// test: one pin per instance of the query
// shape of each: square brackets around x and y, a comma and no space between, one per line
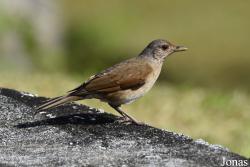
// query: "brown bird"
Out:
[124,82]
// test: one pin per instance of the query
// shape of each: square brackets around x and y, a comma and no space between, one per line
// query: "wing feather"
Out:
[123,76]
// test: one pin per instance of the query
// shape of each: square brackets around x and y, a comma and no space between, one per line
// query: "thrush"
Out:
[124,82]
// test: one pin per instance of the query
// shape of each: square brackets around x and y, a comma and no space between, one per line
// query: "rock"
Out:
[77,135]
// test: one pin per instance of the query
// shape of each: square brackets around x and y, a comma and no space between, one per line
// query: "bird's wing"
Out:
[126,75]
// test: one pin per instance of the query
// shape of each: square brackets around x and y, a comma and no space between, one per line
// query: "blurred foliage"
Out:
[216,33]
[83,46]
[98,34]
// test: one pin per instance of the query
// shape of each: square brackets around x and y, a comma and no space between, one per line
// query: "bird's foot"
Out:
[42,115]
[123,120]
[127,121]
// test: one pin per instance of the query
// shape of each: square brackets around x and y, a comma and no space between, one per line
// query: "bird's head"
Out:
[159,49]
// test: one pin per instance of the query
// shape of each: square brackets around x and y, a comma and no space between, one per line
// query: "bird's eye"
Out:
[164,47]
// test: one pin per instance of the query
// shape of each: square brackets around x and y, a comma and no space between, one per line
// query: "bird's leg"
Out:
[126,116]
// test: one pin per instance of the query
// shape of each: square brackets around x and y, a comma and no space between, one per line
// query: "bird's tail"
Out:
[57,101]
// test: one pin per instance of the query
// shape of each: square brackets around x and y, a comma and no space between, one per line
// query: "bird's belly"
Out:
[123,97]
[128,96]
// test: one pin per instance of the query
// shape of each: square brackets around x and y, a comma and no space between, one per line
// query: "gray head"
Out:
[159,49]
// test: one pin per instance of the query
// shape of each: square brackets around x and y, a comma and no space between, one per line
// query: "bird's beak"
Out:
[180,48]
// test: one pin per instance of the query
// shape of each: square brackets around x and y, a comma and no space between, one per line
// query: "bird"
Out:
[122,83]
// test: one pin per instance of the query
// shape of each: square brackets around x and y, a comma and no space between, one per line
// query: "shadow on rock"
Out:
[75,119]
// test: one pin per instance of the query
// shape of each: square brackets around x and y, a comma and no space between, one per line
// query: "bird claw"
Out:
[127,121]
[124,121]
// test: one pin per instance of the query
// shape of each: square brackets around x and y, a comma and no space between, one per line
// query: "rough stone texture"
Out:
[76,135]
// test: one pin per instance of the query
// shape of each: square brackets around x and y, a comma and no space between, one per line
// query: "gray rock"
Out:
[76,135]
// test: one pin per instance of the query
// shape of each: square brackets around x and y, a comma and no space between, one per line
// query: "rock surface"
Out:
[76,135]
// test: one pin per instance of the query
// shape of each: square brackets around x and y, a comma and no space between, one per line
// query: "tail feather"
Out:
[57,101]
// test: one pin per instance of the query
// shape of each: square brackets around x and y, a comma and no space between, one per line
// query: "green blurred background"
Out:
[49,46]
